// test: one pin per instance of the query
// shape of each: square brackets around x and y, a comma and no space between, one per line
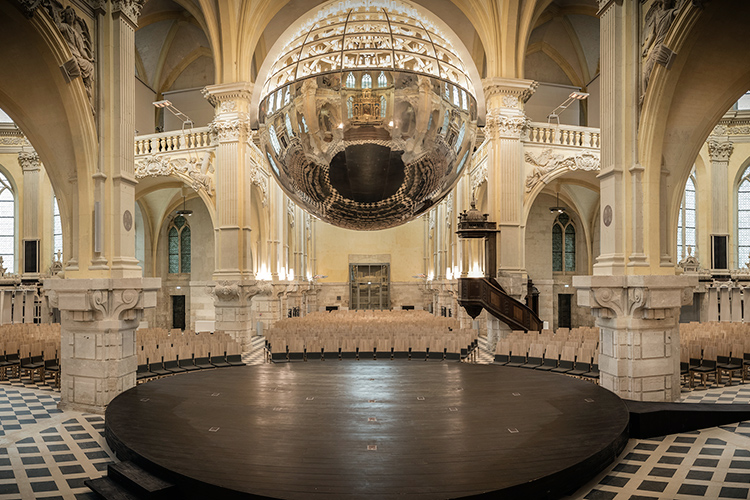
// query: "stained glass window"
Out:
[350,107]
[366,81]
[174,251]
[743,219]
[557,248]
[686,228]
[350,80]
[383,105]
[7,225]
[179,245]
[382,80]
[56,229]
[563,244]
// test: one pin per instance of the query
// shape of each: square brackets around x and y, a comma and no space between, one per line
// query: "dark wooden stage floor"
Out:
[376,429]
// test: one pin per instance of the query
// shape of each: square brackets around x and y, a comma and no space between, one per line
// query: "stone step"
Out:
[108,489]
[139,481]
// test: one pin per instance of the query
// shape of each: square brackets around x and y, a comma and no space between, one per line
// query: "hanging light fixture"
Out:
[183,210]
[557,209]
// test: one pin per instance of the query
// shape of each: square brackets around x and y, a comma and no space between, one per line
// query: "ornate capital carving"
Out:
[29,161]
[504,125]
[720,151]
[235,293]
[102,299]
[131,9]
[229,130]
[513,92]
[548,161]
[227,96]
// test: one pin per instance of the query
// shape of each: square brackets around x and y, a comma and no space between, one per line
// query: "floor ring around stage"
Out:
[369,429]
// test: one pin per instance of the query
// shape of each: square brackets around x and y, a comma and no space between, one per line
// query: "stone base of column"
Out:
[233,308]
[99,318]
[639,342]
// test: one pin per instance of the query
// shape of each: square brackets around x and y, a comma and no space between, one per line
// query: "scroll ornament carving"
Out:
[29,160]
[657,22]
[226,291]
[158,166]
[290,212]
[731,130]
[614,302]
[114,304]
[548,160]
[259,179]
[232,291]
[11,140]
[720,151]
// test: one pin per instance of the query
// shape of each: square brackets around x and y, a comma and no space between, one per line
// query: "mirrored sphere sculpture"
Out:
[368,119]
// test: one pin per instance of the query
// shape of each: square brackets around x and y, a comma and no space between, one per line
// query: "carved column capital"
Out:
[513,92]
[640,297]
[29,161]
[228,96]
[227,293]
[720,151]
[229,129]
[130,9]
[500,124]
[102,300]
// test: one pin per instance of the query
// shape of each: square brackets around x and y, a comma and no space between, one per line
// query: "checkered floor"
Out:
[47,453]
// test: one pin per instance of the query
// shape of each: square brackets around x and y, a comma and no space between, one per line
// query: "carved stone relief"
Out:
[720,151]
[157,166]
[548,160]
[657,22]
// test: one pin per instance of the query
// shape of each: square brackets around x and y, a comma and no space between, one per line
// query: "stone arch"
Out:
[55,116]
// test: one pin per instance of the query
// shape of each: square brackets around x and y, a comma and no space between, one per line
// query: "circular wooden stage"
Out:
[376,429]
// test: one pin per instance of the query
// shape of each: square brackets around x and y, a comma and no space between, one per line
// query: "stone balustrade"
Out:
[563,135]
[177,140]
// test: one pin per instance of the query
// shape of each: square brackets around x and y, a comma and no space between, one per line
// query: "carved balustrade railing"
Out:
[176,140]
[563,135]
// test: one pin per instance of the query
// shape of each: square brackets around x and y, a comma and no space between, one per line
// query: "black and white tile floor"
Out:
[47,453]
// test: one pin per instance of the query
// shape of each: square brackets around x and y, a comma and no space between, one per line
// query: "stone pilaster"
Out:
[99,318]
[32,177]
[613,90]
[720,152]
[233,307]
[506,123]
[639,343]
[234,175]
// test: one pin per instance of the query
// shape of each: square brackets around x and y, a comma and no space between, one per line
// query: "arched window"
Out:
[743,219]
[464,100]
[274,139]
[289,128]
[350,107]
[456,97]
[461,134]
[56,229]
[563,244]
[446,121]
[7,225]
[350,80]
[447,91]
[383,105]
[686,227]
[366,81]
[179,245]
[287,97]
[382,80]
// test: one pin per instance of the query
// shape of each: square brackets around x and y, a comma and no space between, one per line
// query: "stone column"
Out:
[638,318]
[232,306]
[720,152]
[32,175]
[614,89]
[713,304]
[506,123]
[99,318]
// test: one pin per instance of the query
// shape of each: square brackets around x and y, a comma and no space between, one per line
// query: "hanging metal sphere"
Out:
[368,118]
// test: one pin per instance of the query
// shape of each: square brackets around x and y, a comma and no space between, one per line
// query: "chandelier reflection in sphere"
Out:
[368,118]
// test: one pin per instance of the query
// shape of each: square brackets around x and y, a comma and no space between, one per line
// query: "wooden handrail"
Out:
[475,294]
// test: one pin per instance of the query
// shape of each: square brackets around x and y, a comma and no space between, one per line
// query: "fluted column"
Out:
[506,124]
[32,176]
[719,152]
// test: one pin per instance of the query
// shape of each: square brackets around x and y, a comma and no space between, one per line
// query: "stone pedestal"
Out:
[99,318]
[233,307]
[639,343]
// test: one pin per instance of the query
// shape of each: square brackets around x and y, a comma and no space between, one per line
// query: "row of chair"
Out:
[579,362]
[33,359]
[712,362]
[161,368]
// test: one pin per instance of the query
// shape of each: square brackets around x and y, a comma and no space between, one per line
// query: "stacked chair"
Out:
[164,352]
[369,335]
[31,350]
[571,352]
